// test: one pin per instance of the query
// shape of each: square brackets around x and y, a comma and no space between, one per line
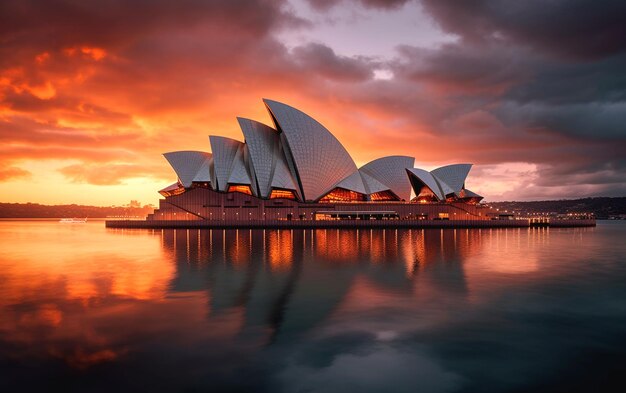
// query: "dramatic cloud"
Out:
[106,174]
[578,28]
[92,93]
[324,5]
[488,69]
[13,173]
[542,82]
[318,58]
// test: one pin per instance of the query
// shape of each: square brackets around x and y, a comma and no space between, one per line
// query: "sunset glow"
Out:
[91,98]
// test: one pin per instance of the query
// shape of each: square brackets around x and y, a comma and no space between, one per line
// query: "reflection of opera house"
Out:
[298,171]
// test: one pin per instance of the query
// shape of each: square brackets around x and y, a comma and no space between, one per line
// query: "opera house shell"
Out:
[298,168]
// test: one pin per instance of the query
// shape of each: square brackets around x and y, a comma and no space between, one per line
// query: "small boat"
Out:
[73,220]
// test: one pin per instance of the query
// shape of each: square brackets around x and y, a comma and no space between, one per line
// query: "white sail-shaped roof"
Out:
[362,183]
[453,175]
[390,171]
[224,151]
[320,160]
[426,178]
[262,142]
[204,173]
[239,172]
[301,155]
[282,177]
[445,188]
[372,185]
[186,164]
[354,182]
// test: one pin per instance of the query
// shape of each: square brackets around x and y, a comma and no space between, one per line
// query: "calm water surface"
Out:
[89,309]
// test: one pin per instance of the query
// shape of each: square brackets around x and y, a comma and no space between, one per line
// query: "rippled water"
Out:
[83,308]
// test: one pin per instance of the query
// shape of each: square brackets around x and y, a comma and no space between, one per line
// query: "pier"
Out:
[341,223]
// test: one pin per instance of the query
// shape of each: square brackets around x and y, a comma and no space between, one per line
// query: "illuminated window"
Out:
[444,216]
[384,196]
[425,196]
[471,200]
[426,192]
[240,188]
[285,194]
[203,184]
[342,195]
[172,191]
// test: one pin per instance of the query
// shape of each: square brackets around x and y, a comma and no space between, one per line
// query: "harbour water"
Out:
[90,309]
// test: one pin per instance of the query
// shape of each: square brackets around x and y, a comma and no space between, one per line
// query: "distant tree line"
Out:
[35,210]
[601,207]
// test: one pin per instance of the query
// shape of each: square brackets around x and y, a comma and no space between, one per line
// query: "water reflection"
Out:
[262,271]
[304,310]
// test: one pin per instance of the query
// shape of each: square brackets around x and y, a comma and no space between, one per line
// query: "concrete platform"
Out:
[309,224]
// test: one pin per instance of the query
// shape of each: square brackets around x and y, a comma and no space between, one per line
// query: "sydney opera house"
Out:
[296,170]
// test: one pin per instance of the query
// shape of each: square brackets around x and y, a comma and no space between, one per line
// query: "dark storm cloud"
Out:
[593,121]
[542,82]
[522,87]
[76,76]
[582,165]
[489,68]
[320,59]
[565,181]
[115,83]
[57,22]
[581,99]
[572,82]
[325,5]
[570,28]
[167,50]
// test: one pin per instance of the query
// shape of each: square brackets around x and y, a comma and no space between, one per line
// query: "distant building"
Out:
[297,170]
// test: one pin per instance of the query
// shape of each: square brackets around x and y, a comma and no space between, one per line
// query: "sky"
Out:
[533,93]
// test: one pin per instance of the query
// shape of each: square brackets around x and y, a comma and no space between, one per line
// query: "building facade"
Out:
[298,171]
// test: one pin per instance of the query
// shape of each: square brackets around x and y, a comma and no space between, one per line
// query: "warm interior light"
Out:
[285,194]
[384,196]
[240,188]
[203,184]
[171,191]
[343,195]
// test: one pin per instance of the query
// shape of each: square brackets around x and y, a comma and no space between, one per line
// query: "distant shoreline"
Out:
[39,211]
[601,207]
[59,218]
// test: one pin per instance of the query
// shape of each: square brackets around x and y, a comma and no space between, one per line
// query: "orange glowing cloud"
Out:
[42,57]
[91,107]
